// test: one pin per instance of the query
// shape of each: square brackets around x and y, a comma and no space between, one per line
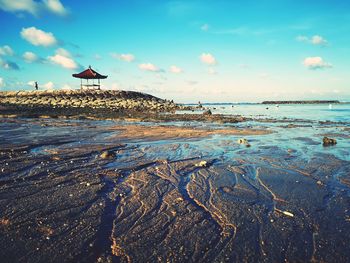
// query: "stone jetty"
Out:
[92,99]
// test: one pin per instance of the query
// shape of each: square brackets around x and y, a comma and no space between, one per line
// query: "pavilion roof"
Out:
[89,74]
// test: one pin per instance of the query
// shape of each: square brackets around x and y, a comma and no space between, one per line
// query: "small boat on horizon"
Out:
[330,106]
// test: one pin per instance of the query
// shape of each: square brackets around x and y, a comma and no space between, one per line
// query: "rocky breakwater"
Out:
[92,99]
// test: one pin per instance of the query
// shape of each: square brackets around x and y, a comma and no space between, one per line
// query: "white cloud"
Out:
[48,86]
[149,67]
[302,38]
[29,6]
[2,83]
[38,37]
[6,51]
[176,70]
[208,59]
[66,87]
[318,40]
[8,65]
[316,63]
[124,57]
[315,40]
[115,86]
[56,7]
[63,52]
[205,27]
[64,59]
[33,7]
[31,83]
[30,57]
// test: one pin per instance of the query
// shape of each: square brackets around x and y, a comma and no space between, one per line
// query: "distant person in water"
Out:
[36,85]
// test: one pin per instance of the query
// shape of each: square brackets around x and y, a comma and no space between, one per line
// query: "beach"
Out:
[180,189]
[174,131]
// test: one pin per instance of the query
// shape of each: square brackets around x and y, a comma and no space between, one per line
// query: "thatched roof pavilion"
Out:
[89,74]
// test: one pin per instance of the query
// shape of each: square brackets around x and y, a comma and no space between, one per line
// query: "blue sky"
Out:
[214,51]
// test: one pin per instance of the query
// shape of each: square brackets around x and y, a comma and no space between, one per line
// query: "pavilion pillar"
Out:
[99,85]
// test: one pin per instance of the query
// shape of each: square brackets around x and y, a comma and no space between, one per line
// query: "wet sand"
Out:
[285,198]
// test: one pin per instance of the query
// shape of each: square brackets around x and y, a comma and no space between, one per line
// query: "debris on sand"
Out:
[285,212]
[107,154]
[202,164]
[244,142]
[4,222]
[329,141]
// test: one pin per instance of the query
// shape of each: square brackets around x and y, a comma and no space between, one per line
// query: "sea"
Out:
[312,112]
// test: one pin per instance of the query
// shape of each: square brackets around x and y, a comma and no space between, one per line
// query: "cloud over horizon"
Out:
[208,59]
[123,57]
[149,67]
[2,83]
[314,63]
[175,69]
[314,40]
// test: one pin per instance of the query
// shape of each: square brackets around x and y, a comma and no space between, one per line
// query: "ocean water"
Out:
[312,112]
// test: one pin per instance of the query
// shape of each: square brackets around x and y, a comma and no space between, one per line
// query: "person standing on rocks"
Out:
[36,85]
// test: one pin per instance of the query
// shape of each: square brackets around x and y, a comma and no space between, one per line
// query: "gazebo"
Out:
[89,74]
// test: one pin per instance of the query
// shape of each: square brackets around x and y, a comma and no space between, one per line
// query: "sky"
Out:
[188,51]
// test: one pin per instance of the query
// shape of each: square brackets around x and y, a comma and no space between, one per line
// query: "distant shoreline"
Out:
[302,102]
[269,102]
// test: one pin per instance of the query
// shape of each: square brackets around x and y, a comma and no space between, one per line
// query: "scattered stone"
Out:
[285,212]
[244,142]
[107,154]
[202,164]
[319,182]
[207,113]
[329,141]
[4,222]
[226,189]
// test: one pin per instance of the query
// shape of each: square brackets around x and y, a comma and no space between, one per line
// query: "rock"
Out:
[107,154]
[244,142]
[207,113]
[202,164]
[329,141]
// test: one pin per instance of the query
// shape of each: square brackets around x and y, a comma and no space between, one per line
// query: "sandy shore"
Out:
[105,191]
